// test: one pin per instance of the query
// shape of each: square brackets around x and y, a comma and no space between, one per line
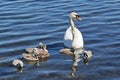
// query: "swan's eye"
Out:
[78,17]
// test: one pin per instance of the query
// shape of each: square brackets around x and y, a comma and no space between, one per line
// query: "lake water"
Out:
[26,23]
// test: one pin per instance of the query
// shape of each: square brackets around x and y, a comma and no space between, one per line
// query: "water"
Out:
[25,23]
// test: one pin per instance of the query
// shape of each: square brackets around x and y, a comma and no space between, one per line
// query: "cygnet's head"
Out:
[42,46]
[89,54]
[75,15]
[18,64]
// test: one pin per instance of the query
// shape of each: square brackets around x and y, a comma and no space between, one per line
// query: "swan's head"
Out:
[75,15]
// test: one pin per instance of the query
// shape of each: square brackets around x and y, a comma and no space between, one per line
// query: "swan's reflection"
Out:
[37,62]
[74,70]
[79,54]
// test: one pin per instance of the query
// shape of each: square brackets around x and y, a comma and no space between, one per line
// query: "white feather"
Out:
[16,61]
[71,41]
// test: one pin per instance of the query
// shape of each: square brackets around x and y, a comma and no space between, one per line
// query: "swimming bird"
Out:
[42,52]
[66,51]
[43,47]
[32,56]
[36,53]
[18,64]
[73,37]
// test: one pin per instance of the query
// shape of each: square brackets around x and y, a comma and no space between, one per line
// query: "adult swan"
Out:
[73,37]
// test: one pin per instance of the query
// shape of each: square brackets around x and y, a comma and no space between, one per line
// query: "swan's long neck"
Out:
[72,26]
[72,23]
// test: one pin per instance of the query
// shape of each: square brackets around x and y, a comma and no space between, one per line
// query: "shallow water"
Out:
[26,23]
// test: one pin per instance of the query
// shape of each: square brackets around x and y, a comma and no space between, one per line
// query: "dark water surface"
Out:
[25,23]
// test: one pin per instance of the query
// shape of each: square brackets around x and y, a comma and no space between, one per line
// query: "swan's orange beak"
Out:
[78,17]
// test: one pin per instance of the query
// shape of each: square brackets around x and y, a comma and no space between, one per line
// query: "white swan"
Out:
[73,37]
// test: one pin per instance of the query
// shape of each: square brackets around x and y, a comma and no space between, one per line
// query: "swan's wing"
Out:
[78,39]
[68,37]
[68,34]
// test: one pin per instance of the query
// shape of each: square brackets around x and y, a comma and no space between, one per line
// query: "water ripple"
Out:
[26,23]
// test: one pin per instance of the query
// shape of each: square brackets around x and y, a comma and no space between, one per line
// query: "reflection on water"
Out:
[17,69]
[25,23]
[77,56]
[73,72]
[37,62]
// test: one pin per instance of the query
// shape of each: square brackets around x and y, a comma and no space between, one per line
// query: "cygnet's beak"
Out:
[78,17]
